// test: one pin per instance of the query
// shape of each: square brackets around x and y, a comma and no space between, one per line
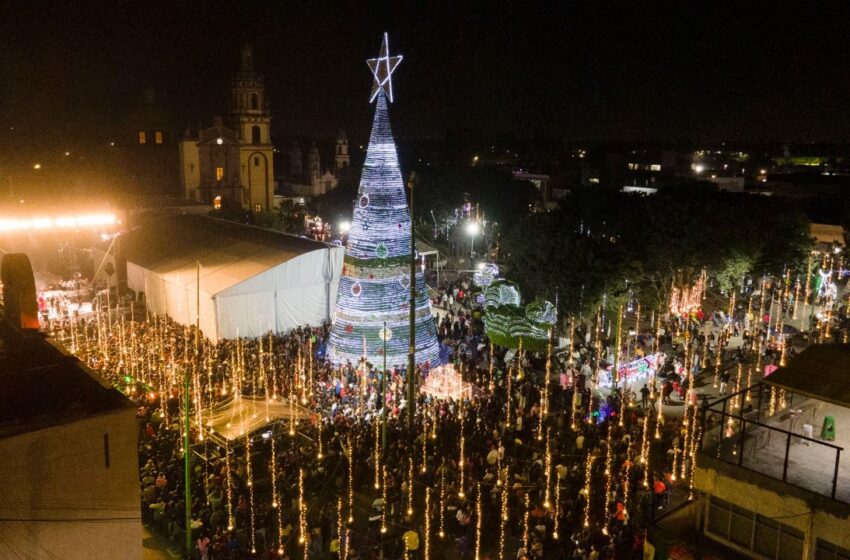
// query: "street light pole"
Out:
[473,229]
[383,399]
[187,451]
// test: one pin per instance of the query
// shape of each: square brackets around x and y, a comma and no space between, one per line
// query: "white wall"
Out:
[301,291]
[59,498]
[178,301]
[787,508]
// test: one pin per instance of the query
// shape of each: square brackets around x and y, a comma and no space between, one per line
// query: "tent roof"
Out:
[424,248]
[229,252]
[820,371]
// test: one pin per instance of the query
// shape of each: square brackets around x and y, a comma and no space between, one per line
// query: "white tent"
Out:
[251,280]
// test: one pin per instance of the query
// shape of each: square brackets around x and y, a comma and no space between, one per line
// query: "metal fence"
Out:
[740,429]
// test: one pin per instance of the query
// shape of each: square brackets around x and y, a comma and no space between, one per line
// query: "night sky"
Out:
[651,71]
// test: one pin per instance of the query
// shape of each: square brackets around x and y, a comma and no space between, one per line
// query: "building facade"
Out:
[308,177]
[770,477]
[68,444]
[234,160]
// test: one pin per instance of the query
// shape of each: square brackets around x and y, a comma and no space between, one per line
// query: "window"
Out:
[142,137]
[255,101]
[157,136]
[255,134]
[829,551]
[767,537]
[256,161]
[258,208]
[741,529]
[219,173]
[655,167]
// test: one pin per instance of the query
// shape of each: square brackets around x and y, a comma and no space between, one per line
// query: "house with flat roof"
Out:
[773,470]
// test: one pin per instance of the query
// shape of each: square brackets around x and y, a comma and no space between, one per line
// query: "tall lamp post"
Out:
[385,334]
[472,229]
[187,450]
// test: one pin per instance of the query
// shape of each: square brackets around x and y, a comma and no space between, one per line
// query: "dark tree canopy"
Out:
[505,200]
[602,242]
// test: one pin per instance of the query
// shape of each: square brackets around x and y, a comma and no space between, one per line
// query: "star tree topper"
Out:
[382,69]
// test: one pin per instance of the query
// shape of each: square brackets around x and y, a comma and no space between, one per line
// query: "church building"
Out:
[233,159]
[310,178]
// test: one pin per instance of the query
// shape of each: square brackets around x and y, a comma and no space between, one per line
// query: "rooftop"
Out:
[44,386]
[820,371]
[228,252]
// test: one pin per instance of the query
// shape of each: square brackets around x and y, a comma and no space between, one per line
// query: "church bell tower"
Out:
[252,121]
[341,157]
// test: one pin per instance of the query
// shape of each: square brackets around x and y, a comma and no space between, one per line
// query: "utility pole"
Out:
[615,373]
[411,350]
[383,399]
[187,451]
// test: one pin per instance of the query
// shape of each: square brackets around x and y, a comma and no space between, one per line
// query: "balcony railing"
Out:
[740,429]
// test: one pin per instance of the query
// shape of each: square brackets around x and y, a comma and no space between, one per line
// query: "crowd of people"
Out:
[541,460]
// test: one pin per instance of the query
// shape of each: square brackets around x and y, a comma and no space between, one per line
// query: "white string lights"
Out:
[478,515]
[375,281]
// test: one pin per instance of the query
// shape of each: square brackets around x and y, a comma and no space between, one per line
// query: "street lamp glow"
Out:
[344,226]
[37,166]
[473,229]
[699,168]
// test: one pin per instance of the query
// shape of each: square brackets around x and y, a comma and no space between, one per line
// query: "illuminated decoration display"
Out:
[501,293]
[688,299]
[639,369]
[824,286]
[444,382]
[506,322]
[374,287]
[382,69]
[485,275]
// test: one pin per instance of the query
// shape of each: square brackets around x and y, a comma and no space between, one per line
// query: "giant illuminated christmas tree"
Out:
[375,285]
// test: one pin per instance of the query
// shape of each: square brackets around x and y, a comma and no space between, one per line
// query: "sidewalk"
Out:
[156,548]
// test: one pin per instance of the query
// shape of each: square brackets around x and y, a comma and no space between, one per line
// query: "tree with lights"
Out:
[375,284]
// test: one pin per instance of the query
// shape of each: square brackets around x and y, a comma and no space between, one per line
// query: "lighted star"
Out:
[382,69]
